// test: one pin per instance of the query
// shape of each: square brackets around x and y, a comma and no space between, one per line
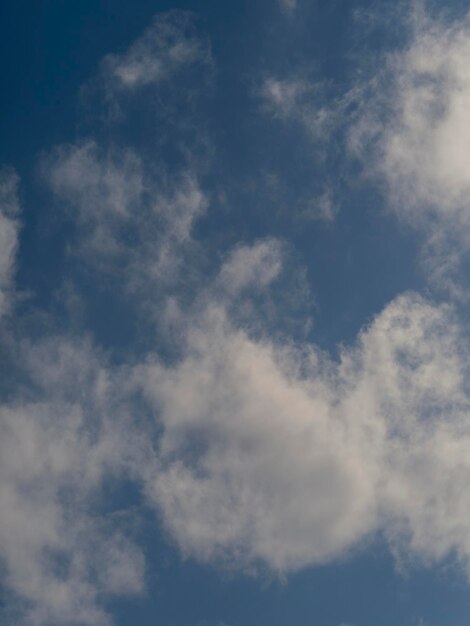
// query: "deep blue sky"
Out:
[56,48]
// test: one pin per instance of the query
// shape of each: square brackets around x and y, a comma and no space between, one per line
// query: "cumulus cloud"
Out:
[253,451]
[413,132]
[70,435]
[276,454]
[61,439]
[426,147]
[9,228]
[268,453]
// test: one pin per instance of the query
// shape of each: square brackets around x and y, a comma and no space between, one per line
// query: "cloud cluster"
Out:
[126,219]
[254,451]
[72,441]
[413,133]
[405,117]
[64,436]
[275,454]
[426,143]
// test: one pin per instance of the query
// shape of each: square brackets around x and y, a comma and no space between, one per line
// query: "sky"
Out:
[234,313]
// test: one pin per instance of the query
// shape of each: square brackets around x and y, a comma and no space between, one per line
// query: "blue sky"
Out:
[234,329]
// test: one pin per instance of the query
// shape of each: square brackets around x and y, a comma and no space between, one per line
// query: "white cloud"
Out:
[275,454]
[251,266]
[268,453]
[255,466]
[60,441]
[167,46]
[426,148]
[104,190]
[9,227]
[302,101]
[123,215]
[414,133]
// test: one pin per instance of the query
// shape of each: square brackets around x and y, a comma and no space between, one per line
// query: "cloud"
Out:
[275,454]
[269,453]
[168,45]
[413,133]
[289,6]
[302,101]
[126,219]
[68,442]
[63,436]
[9,228]
[251,266]
[253,450]
[104,190]
[132,214]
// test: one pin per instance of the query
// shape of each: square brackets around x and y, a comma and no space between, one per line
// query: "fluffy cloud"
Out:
[425,147]
[268,454]
[253,451]
[251,266]
[63,436]
[414,125]
[9,227]
[275,454]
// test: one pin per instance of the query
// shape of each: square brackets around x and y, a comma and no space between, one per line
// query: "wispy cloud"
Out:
[289,6]
[124,217]
[414,133]
[60,441]
[9,228]
[168,45]
[254,449]
[300,100]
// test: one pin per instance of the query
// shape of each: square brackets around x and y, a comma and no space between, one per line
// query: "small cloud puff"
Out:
[167,46]
[289,6]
